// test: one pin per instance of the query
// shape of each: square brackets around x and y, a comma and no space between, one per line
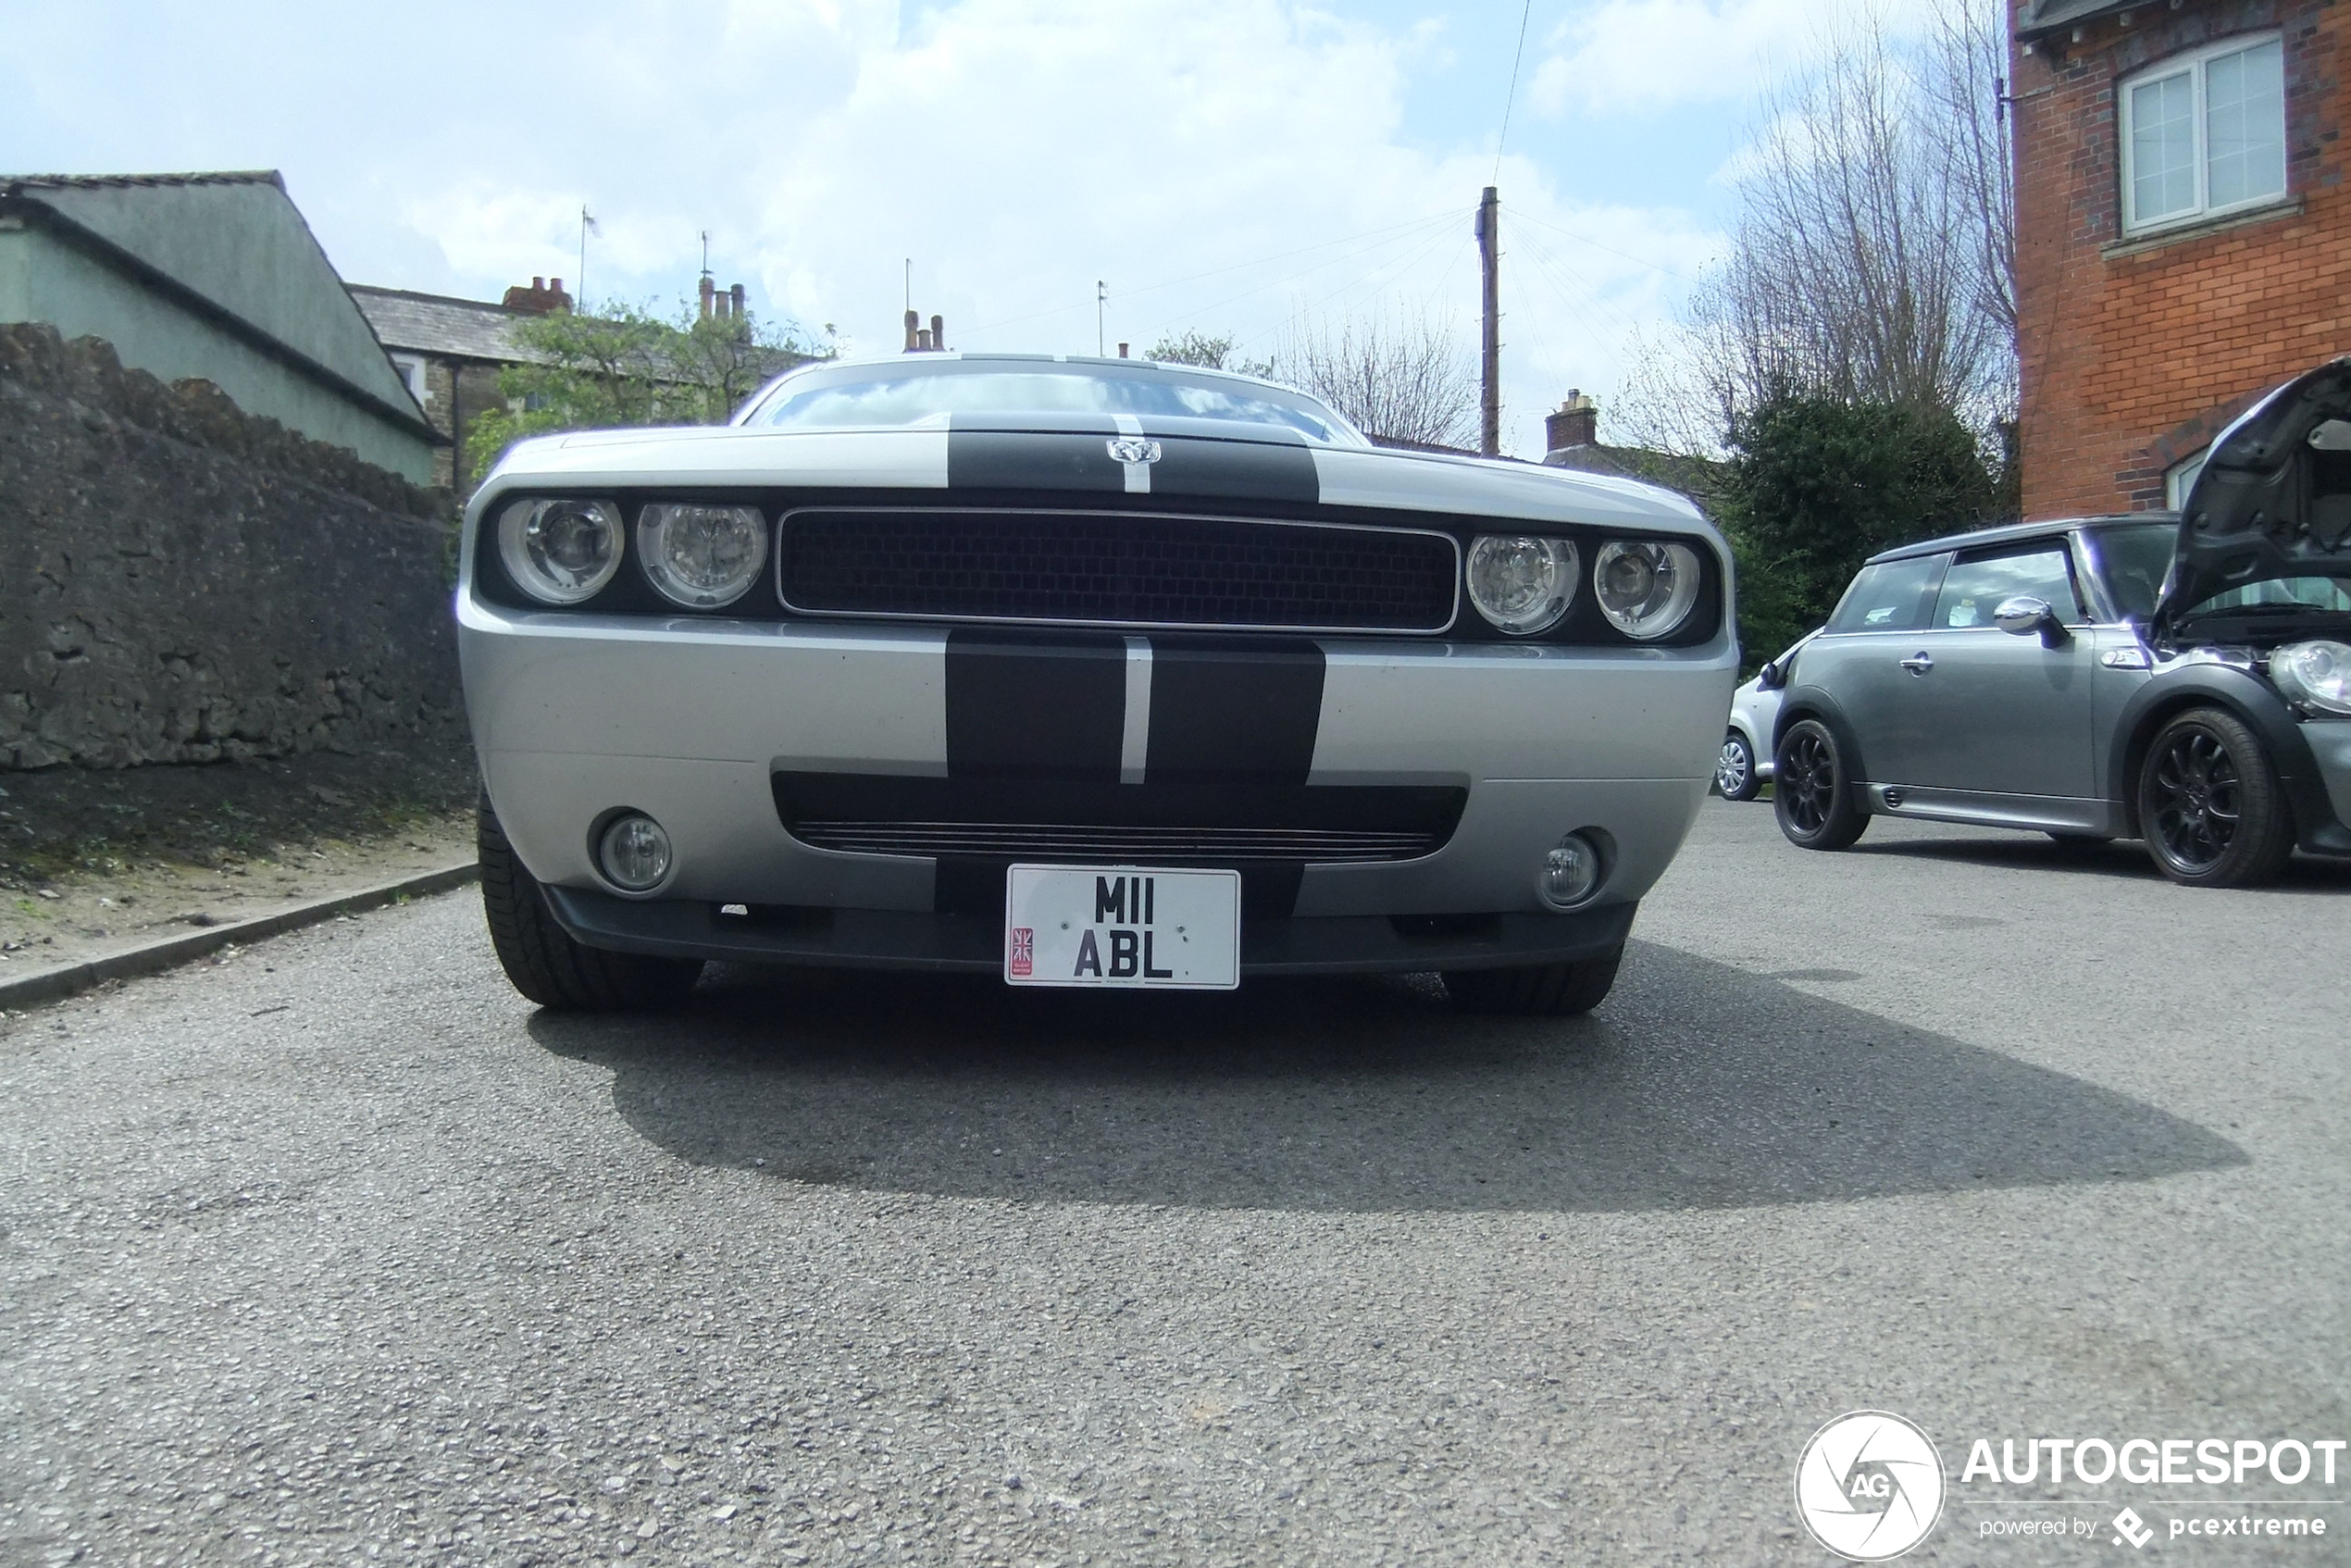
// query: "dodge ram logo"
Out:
[1130,449]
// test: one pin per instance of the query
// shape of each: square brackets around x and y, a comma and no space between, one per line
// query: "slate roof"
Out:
[438,324]
[10,184]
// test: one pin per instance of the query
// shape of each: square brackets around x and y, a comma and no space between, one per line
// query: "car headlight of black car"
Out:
[2315,674]
[560,551]
[1645,588]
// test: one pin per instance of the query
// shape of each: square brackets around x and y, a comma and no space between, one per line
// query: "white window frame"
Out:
[2180,479]
[2193,63]
[412,371]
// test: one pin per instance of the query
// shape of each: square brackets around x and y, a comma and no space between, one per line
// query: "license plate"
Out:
[1122,926]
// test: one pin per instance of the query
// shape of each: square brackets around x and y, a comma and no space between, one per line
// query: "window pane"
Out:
[2162,148]
[1890,596]
[1973,589]
[2244,124]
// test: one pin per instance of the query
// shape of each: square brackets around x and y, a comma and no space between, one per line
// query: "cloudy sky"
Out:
[1226,166]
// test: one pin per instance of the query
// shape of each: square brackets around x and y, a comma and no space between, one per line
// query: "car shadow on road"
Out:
[1695,1085]
[2037,853]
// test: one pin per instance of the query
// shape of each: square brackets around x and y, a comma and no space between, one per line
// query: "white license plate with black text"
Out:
[1122,926]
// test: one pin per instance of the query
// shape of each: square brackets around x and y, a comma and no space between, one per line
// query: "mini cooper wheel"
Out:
[543,961]
[1735,769]
[1811,792]
[2210,806]
[1556,990]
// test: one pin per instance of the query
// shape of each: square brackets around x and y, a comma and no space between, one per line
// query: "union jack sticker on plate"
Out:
[1023,955]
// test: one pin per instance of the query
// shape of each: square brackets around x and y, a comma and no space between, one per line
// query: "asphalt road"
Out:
[337,1250]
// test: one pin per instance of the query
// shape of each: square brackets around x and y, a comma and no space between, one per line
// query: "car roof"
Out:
[2006,533]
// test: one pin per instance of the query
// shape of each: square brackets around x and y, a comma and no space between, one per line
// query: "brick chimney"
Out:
[734,295]
[913,325]
[541,299]
[1576,423]
[709,291]
[939,332]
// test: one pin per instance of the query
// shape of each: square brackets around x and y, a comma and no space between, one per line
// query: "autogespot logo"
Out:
[1870,1486]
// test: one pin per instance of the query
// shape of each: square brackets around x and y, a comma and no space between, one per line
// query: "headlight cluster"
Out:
[696,556]
[1523,583]
[2317,674]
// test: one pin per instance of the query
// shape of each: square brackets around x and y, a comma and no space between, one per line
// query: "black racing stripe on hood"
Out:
[1035,704]
[1273,470]
[1232,710]
[1238,469]
[1031,460]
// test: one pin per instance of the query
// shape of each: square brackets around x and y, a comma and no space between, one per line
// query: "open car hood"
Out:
[2274,499]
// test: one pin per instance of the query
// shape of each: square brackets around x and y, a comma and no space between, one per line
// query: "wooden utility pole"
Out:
[1489,413]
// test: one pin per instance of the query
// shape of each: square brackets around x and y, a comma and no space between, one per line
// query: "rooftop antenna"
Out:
[705,253]
[910,282]
[1101,297]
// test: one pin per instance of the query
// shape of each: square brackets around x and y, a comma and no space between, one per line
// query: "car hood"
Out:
[2274,499]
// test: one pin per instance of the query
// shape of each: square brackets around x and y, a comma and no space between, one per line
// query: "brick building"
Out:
[2184,230]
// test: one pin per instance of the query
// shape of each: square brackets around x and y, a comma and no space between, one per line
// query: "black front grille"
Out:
[1041,840]
[1115,568]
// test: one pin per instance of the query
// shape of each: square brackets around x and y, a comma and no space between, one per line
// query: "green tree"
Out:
[628,367]
[1817,484]
[1210,352]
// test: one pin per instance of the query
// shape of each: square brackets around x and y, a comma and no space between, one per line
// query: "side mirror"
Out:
[2023,615]
[1771,677]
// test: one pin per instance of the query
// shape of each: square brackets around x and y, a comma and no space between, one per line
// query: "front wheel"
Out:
[1554,991]
[1735,769]
[543,961]
[1810,791]
[2210,805]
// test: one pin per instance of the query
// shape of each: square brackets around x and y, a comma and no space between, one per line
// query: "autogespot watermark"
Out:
[1871,1485]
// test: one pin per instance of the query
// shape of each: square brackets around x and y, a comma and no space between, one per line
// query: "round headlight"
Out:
[1522,584]
[2317,674]
[701,556]
[560,551]
[1646,589]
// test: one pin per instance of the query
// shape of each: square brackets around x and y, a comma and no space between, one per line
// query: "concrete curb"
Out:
[66,979]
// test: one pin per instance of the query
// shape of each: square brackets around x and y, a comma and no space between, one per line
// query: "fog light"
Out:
[1571,872]
[633,853]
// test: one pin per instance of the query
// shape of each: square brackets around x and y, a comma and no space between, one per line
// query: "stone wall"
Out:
[180,582]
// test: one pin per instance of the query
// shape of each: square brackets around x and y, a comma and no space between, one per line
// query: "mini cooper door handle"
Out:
[1918,664]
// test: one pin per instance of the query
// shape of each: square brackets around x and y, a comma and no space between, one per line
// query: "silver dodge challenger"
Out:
[1077,672]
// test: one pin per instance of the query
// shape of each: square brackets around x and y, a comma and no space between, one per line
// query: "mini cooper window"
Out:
[1889,596]
[2134,557]
[892,396]
[1973,589]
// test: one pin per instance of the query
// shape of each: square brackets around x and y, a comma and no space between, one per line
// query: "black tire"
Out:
[1811,792]
[2210,806]
[1734,776]
[1551,991]
[543,961]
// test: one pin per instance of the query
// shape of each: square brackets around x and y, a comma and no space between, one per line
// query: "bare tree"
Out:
[1873,256]
[1401,381]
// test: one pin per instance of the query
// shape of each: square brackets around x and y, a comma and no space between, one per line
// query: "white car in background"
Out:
[1745,761]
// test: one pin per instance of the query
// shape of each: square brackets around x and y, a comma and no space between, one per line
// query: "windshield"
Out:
[866,396]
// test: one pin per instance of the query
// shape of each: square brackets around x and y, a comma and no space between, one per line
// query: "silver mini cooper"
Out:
[2181,678]
[1077,673]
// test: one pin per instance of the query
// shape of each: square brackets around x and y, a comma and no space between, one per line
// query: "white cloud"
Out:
[1644,57]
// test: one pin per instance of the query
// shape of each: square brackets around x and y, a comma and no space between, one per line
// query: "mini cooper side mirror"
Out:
[2023,615]
[1771,677]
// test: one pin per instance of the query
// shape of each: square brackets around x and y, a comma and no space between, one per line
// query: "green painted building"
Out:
[215,277]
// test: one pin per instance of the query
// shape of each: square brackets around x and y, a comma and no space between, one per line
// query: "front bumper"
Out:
[878,938]
[695,721]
